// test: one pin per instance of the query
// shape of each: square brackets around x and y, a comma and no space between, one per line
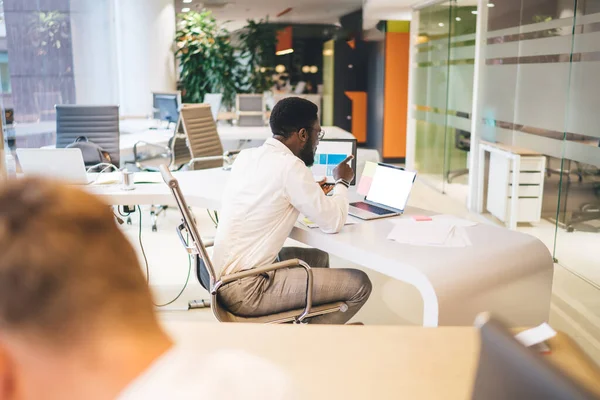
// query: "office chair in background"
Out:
[215,100]
[100,124]
[195,145]
[462,141]
[206,275]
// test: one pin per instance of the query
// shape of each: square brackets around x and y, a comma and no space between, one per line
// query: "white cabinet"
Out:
[515,183]
[530,179]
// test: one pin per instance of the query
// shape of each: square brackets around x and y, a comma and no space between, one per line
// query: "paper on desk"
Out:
[536,335]
[309,224]
[454,220]
[147,177]
[429,233]
[107,178]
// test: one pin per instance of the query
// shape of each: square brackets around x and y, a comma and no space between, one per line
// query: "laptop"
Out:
[63,164]
[331,152]
[507,370]
[387,195]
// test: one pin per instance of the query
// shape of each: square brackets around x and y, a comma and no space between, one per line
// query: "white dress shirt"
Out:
[268,188]
[185,373]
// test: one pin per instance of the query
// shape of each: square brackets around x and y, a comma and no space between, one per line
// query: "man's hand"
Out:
[343,170]
[326,187]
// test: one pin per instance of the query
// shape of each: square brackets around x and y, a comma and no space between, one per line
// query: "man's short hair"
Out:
[292,114]
[64,264]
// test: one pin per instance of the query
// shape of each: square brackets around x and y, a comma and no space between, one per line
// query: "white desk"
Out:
[372,362]
[505,272]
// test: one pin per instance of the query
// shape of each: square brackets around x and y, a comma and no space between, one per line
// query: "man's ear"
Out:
[7,379]
[303,134]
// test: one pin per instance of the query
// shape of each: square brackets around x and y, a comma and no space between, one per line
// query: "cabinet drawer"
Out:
[529,210]
[532,163]
[527,191]
[530,178]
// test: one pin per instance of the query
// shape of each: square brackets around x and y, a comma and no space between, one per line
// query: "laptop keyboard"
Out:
[371,208]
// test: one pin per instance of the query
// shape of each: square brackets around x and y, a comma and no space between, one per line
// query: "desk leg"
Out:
[514,201]
[480,179]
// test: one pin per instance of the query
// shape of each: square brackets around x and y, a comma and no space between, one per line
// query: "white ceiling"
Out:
[303,11]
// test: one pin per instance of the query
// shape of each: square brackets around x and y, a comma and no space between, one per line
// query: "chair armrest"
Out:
[141,142]
[207,158]
[273,267]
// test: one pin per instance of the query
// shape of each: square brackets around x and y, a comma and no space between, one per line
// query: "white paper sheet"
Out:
[454,220]
[536,335]
[437,233]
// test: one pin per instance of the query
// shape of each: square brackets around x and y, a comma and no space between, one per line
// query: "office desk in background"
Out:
[507,273]
[372,362]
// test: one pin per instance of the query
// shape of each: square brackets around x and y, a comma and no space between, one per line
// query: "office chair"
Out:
[215,100]
[462,141]
[195,145]
[100,124]
[206,275]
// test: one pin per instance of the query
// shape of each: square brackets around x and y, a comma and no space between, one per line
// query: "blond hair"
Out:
[64,264]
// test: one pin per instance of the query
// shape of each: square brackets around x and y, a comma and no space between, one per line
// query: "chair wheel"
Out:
[570,229]
[154,229]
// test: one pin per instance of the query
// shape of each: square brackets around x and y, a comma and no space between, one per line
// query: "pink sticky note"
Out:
[421,218]
[364,185]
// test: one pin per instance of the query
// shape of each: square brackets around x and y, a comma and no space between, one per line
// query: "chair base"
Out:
[281,318]
[155,211]
[455,174]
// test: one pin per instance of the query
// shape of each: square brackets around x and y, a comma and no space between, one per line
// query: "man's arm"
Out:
[329,212]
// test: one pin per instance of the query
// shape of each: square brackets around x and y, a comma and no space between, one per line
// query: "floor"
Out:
[575,307]
[576,291]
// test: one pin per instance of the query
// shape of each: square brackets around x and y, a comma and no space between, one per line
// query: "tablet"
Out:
[329,154]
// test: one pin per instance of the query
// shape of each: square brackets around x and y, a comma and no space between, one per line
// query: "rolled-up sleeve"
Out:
[329,212]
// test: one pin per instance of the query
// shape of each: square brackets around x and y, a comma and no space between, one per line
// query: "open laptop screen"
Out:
[391,186]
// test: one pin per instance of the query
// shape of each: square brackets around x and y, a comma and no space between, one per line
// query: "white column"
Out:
[145,32]
[411,124]
[478,81]
[94,56]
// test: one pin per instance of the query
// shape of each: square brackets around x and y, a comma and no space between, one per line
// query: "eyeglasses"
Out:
[321,134]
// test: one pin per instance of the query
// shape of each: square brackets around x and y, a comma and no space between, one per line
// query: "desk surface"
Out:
[505,272]
[512,149]
[372,362]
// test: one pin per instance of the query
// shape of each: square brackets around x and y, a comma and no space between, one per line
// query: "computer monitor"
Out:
[166,106]
[331,152]
[509,370]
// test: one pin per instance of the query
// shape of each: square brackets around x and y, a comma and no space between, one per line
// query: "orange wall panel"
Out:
[395,94]
[359,115]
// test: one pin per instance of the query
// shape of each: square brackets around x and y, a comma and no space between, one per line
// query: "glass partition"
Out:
[442,99]
[429,103]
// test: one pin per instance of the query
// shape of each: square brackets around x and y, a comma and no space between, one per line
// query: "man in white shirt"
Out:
[77,319]
[268,188]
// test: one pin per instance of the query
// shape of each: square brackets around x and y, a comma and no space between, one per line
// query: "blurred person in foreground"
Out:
[76,315]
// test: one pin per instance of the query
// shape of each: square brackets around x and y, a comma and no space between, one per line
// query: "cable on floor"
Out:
[187,279]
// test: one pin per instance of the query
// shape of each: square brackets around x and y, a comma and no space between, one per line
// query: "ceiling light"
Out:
[185,9]
[314,69]
[284,52]
[491,5]
[441,24]
[263,70]
[474,12]
[458,18]
[306,69]
[280,69]
[187,1]
[328,52]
